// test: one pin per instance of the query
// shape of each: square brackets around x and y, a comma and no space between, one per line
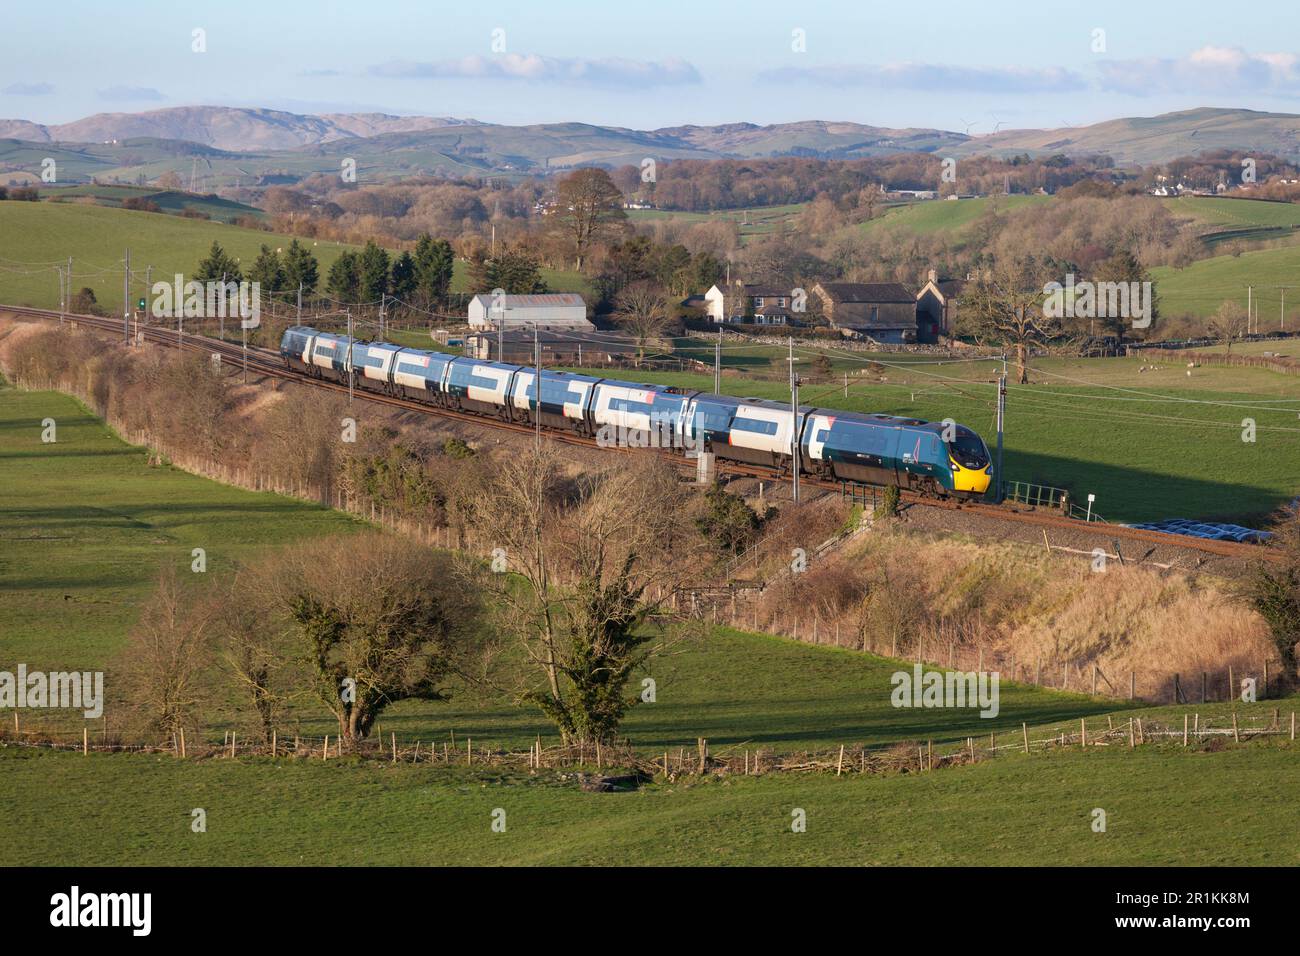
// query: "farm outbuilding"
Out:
[557,348]
[555,310]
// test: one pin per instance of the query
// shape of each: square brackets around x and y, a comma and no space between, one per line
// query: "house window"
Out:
[758,301]
[875,314]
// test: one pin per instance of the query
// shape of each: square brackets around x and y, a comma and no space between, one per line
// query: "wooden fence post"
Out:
[85,741]
[1083,732]
[1024,729]
[1185,730]
[839,766]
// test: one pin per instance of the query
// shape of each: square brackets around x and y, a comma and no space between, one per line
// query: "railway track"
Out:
[265,362]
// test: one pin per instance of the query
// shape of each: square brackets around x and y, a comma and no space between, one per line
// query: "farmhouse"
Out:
[749,303]
[885,311]
[936,306]
[559,310]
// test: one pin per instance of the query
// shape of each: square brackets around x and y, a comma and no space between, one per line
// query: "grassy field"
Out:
[1097,426]
[1220,214]
[37,237]
[758,221]
[944,215]
[1200,288]
[86,524]
[1164,806]
[169,200]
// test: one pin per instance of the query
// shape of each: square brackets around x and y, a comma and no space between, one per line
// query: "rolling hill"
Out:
[1154,139]
[222,127]
[222,146]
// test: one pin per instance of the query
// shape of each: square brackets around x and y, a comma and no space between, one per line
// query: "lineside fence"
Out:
[742,759]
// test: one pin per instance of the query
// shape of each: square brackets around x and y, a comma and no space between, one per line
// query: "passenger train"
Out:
[935,458]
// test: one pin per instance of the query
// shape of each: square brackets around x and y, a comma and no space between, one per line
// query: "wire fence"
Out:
[744,758]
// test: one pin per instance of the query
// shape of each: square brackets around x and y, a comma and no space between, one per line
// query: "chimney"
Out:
[933,276]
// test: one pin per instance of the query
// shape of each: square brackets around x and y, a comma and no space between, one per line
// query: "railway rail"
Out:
[266,362]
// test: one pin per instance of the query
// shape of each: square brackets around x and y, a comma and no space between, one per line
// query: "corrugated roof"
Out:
[540,301]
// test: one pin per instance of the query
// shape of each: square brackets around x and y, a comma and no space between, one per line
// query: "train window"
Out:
[754,425]
[969,450]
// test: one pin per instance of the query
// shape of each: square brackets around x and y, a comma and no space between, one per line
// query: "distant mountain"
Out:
[811,137]
[223,127]
[1154,139]
[215,146]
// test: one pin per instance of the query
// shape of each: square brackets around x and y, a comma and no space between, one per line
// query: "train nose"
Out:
[974,481]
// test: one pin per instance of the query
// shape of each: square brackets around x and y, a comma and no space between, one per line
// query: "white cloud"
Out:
[933,77]
[533,68]
[1211,69]
[28,89]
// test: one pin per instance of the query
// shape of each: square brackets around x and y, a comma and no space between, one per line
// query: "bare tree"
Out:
[642,311]
[255,646]
[168,653]
[590,206]
[1228,324]
[585,564]
[1004,306]
[376,619]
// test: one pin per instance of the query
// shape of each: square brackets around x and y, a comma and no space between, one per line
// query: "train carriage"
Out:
[477,386]
[639,414]
[763,433]
[329,353]
[419,374]
[565,401]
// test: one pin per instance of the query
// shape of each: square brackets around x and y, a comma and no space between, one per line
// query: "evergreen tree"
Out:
[434,262]
[300,266]
[513,270]
[403,281]
[268,271]
[373,272]
[217,264]
[344,281]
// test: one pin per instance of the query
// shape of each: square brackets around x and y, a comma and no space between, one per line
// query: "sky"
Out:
[970,67]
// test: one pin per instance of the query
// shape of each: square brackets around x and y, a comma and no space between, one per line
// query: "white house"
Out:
[749,303]
[555,310]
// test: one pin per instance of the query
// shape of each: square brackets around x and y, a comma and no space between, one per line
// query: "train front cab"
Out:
[295,347]
[970,463]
